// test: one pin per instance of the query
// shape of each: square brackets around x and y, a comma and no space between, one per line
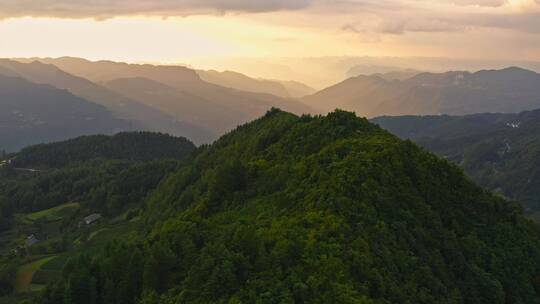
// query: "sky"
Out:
[184,31]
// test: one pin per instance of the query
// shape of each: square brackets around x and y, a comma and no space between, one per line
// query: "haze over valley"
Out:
[276,151]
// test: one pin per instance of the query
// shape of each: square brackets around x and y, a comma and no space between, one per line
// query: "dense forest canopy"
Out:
[132,146]
[308,209]
[499,151]
[104,172]
[105,175]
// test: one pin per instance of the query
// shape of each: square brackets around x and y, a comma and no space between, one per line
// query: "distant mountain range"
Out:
[201,105]
[499,151]
[32,113]
[508,91]
[386,72]
[141,116]
[179,92]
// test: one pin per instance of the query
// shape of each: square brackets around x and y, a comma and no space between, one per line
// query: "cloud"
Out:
[400,26]
[113,8]
[384,17]
[441,16]
[488,3]
[417,25]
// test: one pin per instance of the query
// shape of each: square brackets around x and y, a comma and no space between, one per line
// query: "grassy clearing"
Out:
[101,237]
[94,233]
[50,271]
[25,274]
[53,214]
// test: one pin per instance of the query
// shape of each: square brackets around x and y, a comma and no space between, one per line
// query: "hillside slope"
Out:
[234,80]
[132,146]
[31,113]
[183,106]
[48,191]
[316,210]
[141,116]
[499,151]
[242,82]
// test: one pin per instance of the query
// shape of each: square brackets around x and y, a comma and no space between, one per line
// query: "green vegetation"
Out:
[25,274]
[105,174]
[499,151]
[50,271]
[307,209]
[285,209]
[50,204]
[53,214]
[133,146]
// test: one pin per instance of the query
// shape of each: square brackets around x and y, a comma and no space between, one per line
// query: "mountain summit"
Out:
[316,210]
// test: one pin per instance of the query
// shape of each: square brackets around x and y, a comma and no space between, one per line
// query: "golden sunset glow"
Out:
[207,34]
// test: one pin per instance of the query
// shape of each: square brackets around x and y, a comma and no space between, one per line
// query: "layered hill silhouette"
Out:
[386,72]
[509,90]
[32,113]
[185,106]
[229,79]
[315,210]
[236,105]
[499,151]
[141,116]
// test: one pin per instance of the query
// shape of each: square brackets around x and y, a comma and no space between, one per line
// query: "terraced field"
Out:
[25,274]
[53,214]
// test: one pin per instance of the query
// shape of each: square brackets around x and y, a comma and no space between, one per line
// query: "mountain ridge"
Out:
[32,113]
[141,116]
[457,92]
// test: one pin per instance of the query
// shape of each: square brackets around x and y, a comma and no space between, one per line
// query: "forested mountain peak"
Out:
[338,209]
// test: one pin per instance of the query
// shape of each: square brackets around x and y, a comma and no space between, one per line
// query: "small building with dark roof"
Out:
[31,240]
[92,219]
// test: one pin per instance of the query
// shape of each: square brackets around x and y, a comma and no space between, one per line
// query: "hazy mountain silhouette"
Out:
[32,113]
[241,106]
[398,75]
[142,117]
[506,91]
[297,89]
[176,76]
[242,82]
[386,72]
[182,105]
